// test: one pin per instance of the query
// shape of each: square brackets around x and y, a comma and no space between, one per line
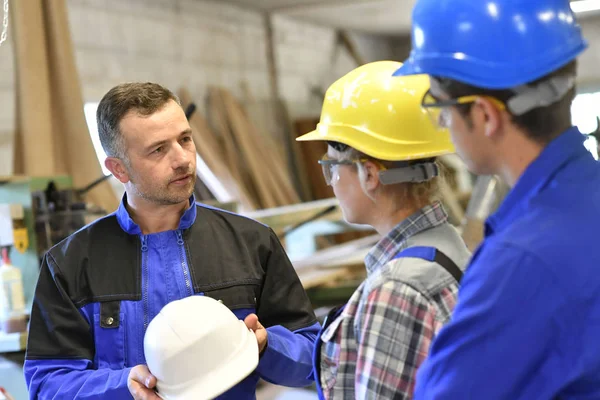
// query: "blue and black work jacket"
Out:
[99,289]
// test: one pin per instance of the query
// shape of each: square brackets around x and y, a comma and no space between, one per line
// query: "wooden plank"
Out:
[316,277]
[211,154]
[325,266]
[34,154]
[234,150]
[295,162]
[350,46]
[72,143]
[286,173]
[276,171]
[346,254]
[279,218]
[277,189]
[266,150]
[312,153]
[208,138]
[222,128]
[250,150]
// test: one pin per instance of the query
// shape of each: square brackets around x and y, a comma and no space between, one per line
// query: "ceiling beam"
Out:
[318,4]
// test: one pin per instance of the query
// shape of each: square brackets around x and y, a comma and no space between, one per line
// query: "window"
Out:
[585,112]
[89,110]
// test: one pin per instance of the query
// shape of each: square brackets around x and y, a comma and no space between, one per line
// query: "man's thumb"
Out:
[251,321]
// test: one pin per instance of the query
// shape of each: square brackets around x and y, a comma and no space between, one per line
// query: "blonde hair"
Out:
[407,194]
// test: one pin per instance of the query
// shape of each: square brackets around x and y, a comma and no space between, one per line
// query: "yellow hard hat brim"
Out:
[379,147]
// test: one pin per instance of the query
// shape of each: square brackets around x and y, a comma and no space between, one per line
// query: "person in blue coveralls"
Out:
[99,288]
[527,322]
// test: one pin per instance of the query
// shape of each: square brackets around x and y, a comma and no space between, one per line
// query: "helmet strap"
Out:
[545,93]
[414,173]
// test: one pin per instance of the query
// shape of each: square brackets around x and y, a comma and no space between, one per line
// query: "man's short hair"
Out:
[144,98]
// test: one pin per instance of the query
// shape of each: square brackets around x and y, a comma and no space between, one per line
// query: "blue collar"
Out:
[129,226]
[556,154]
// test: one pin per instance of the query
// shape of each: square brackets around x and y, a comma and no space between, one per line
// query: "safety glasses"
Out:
[439,110]
[330,167]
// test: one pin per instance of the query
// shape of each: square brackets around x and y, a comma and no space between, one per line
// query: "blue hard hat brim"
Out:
[504,77]
[408,68]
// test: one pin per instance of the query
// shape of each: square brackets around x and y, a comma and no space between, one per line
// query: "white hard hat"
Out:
[198,349]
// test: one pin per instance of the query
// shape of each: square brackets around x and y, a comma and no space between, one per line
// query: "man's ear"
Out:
[370,176]
[492,116]
[117,168]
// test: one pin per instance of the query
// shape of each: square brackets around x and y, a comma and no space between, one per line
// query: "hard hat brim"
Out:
[408,68]
[397,151]
[492,76]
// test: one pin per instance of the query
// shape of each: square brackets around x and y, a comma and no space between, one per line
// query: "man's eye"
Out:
[158,150]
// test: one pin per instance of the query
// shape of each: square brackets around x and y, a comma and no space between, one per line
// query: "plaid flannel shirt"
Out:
[374,348]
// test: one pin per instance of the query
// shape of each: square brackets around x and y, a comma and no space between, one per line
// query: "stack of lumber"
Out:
[334,263]
[245,161]
[311,153]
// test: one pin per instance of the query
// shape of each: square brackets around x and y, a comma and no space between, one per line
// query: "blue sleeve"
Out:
[284,306]
[503,332]
[287,360]
[73,379]
[61,346]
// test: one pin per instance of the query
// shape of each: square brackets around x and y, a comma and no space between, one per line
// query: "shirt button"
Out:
[109,321]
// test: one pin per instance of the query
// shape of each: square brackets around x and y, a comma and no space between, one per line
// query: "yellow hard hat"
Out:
[380,115]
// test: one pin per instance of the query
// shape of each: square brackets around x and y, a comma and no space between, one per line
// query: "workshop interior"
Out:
[251,76]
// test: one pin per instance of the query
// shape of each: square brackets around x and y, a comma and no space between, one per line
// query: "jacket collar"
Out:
[129,226]
[556,154]
[388,246]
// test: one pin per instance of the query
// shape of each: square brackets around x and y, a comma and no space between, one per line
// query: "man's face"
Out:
[468,135]
[161,166]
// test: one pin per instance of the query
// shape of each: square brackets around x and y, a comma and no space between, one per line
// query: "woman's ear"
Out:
[368,172]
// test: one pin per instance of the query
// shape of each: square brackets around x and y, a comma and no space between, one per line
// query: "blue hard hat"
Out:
[497,44]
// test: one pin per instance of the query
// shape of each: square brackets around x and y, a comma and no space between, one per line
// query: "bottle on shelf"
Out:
[12,300]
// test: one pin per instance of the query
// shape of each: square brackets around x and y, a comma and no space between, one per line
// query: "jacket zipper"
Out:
[144,240]
[186,276]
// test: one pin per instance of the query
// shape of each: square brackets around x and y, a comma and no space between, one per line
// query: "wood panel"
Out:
[311,154]
[209,150]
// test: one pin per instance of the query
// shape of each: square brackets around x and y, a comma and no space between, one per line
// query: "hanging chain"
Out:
[4,23]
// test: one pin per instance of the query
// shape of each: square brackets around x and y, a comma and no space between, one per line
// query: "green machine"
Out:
[52,210]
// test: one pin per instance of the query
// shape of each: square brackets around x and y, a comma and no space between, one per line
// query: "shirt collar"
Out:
[555,155]
[129,226]
[426,218]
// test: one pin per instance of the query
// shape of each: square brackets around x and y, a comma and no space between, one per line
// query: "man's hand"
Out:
[260,332]
[141,383]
